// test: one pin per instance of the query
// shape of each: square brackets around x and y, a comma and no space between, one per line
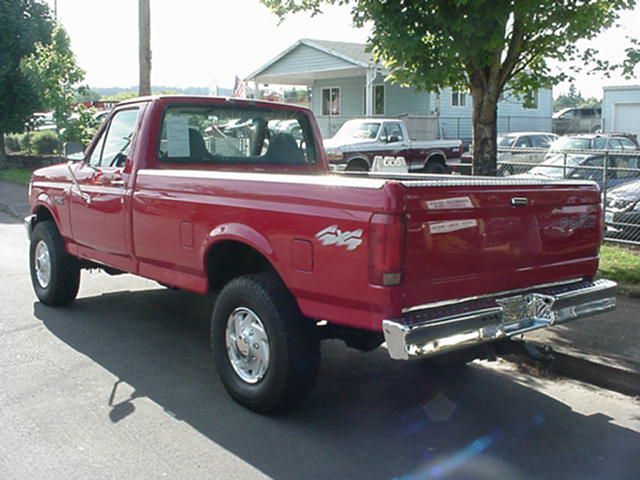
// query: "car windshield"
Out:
[573,143]
[506,140]
[359,130]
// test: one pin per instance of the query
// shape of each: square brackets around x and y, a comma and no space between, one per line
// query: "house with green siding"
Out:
[347,83]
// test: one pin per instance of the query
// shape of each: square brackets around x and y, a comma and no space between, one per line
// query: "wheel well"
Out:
[43,214]
[358,161]
[229,259]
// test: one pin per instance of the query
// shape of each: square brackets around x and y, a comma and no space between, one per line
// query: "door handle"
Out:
[117,182]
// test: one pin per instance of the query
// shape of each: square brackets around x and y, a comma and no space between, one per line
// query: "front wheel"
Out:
[266,352]
[55,274]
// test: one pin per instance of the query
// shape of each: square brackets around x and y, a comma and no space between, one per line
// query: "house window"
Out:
[331,101]
[378,99]
[458,99]
[531,100]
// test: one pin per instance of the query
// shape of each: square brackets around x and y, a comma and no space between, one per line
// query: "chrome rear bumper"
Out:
[440,328]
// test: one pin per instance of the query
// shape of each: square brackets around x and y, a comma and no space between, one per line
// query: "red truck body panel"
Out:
[458,238]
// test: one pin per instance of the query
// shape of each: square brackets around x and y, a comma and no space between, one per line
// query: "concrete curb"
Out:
[579,368]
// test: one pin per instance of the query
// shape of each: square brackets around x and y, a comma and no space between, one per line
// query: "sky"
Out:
[206,43]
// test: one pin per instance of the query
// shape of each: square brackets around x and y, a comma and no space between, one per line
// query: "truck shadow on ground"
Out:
[368,417]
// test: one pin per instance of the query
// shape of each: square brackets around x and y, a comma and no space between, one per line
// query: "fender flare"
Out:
[238,232]
[43,200]
[439,153]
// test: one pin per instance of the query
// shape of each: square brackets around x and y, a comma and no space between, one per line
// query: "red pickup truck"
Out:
[220,195]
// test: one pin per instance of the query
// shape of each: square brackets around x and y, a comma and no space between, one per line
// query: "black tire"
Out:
[64,277]
[435,167]
[294,344]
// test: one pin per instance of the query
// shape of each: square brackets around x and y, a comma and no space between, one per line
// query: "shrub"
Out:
[44,142]
[12,143]
[25,142]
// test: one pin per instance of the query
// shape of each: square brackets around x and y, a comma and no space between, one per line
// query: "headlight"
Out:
[636,207]
[335,155]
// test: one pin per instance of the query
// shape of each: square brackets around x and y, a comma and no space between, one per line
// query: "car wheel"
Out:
[266,352]
[435,167]
[55,274]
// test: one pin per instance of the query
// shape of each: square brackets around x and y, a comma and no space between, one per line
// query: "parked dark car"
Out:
[577,120]
[622,214]
[583,165]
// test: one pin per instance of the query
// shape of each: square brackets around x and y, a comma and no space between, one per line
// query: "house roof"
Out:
[354,54]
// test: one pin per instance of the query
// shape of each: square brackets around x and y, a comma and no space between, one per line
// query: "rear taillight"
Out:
[386,249]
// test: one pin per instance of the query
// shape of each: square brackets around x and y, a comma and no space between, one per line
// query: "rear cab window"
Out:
[227,135]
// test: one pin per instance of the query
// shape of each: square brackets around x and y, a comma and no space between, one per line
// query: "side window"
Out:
[614,144]
[94,160]
[114,144]
[522,142]
[394,130]
[599,144]
[627,144]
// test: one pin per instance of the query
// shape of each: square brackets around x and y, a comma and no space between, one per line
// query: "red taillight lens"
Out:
[386,249]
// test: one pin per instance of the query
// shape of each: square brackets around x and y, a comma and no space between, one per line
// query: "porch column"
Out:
[371,76]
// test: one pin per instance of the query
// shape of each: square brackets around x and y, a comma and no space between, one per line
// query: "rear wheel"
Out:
[435,166]
[55,274]
[266,352]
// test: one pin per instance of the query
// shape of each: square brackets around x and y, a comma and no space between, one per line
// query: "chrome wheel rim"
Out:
[42,263]
[247,345]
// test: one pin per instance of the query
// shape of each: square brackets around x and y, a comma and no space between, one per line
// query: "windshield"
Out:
[575,143]
[359,130]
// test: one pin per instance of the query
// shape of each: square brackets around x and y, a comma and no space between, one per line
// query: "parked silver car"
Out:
[511,161]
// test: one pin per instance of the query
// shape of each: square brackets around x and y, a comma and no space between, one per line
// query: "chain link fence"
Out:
[617,172]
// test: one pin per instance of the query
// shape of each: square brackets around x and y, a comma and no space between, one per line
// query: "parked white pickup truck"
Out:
[358,141]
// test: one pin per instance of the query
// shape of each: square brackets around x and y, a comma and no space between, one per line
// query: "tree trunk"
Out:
[485,132]
[3,153]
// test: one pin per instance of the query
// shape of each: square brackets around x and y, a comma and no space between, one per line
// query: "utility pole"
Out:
[145,47]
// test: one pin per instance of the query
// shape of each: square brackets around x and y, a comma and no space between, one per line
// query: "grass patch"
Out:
[621,265]
[16,175]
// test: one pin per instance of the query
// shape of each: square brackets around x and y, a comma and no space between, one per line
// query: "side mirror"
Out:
[393,139]
[73,151]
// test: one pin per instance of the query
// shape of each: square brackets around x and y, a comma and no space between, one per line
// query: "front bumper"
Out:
[447,326]
[29,222]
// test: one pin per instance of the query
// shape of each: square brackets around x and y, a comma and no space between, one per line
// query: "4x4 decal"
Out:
[332,235]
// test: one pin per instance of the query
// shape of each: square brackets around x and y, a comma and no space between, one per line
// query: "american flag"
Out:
[239,89]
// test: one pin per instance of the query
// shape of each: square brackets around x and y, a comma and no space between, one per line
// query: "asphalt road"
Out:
[121,385]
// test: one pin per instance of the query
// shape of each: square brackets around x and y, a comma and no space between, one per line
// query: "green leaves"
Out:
[24,23]
[53,71]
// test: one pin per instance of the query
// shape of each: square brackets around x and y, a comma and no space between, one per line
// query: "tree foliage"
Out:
[24,23]
[481,45]
[56,76]
[573,99]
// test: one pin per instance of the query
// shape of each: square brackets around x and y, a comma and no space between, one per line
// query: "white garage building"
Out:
[621,109]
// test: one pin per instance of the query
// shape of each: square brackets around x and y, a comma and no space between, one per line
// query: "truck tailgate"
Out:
[475,236]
